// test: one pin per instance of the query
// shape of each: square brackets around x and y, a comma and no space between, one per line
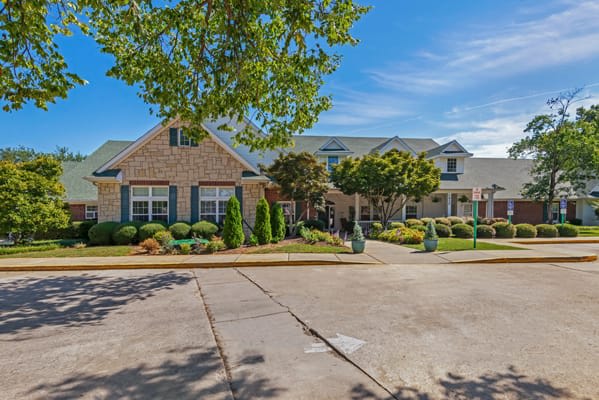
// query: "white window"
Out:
[467,209]
[149,203]
[288,212]
[91,212]
[331,162]
[555,212]
[411,211]
[183,140]
[452,165]
[213,203]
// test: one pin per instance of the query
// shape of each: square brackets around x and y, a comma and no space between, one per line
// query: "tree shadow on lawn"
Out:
[72,301]
[196,376]
[510,385]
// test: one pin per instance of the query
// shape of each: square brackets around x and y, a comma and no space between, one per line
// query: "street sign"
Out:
[477,194]
[563,206]
[510,207]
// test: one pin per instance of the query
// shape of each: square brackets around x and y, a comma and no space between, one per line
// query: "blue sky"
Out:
[475,71]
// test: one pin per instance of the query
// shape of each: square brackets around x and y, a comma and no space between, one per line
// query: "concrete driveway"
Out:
[384,332]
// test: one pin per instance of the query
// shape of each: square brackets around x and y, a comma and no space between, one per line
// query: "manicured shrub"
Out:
[443,230]
[463,231]
[444,221]
[277,223]
[233,235]
[419,228]
[567,230]
[526,231]
[149,230]
[124,234]
[180,230]
[163,237]
[185,249]
[204,229]
[160,222]
[486,221]
[504,230]
[253,240]
[314,224]
[262,228]
[484,231]
[576,221]
[494,220]
[546,231]
[396,225]
[216,244]
[101,234]
[426,220]
[455,220]
[150,245]
[83,228]
[411,222]
[431,232]
[375,230]
[470,221]
[403,236]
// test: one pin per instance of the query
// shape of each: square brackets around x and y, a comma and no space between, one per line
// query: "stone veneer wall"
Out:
[109,202]
[251,194]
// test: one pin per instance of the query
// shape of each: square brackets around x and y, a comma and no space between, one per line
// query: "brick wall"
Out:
[77,212]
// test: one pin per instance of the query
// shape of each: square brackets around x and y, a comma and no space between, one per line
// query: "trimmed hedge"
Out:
[233,235]
[101,234]
[463,231]
[83,228]
[262,228]
[124,234]
[397,225]
[375,230]
[504,230]
[576,221]
[419,228]
[455,220]
[444,221]
[567,230]
[484,231]
[149,230]
[277,223]
[204,229]
[546,231]
[443,230]
[412,222]
[526,231]
[180,230]
[426,219]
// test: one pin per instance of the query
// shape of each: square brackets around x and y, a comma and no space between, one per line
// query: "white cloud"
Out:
[560,38]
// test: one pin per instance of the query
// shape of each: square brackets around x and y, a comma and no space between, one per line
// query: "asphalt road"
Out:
[404,332]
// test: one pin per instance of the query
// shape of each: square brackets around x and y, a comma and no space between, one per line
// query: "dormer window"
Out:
[452,165]
[331,162]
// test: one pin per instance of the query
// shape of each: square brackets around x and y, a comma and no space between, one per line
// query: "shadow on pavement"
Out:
[490,386]
[191,378]
[32,303]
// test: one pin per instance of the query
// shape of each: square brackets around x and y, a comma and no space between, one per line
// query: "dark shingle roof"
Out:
[77,188]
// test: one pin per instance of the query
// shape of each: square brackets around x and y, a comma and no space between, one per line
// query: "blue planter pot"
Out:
[358,246]
[431,244]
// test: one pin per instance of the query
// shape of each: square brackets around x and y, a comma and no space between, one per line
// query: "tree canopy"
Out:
[31,197]
[564,150]
[22,153]
[195,59]
[300,177]
[387,180]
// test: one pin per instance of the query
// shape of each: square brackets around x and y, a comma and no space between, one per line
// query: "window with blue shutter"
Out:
[172,204]
[173,136]
[195,204]
[124,203]
[239,195]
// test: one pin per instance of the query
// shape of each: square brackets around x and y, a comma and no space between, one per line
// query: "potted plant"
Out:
[357,239]
[431,239]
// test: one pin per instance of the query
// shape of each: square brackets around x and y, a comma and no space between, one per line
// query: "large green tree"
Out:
[300,177]
[563,149]
[196,59]
[31,197]
[387,180]
[22,153]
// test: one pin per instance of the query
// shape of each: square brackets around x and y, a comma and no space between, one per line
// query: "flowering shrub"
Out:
[401,236]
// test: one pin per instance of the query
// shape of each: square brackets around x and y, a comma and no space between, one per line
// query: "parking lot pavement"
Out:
[456,331]
[107,335]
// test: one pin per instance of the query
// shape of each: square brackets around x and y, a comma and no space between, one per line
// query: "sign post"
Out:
[510,210]
[477,194]
[563,209]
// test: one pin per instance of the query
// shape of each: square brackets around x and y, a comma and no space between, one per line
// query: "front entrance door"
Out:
[328,216]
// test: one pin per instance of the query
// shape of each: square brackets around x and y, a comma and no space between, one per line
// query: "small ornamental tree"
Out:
[277,223]
[30,197]
[233,235]
[300,177]
[262,228]
[387,180]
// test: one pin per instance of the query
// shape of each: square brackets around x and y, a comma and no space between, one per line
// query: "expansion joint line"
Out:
[316,334]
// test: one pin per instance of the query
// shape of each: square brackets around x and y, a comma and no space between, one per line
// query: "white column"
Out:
[490,201]
[356,207]
[449,204]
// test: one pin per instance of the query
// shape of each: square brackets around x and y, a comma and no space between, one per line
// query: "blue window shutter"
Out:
[195,204]
[173,133]
[172,204]
[124,203]
[239,195]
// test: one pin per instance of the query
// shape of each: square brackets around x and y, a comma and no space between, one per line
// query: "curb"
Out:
[559,241]
[514,260]
[88,267]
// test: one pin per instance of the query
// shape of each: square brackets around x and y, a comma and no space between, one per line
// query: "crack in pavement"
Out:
[313,332]
[253,317]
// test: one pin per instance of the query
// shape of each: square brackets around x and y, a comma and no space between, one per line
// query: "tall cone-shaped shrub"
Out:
[277,223]
[233,230]
[262,229]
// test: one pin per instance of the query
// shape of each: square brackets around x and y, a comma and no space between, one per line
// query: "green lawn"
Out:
[588,231]
[301,248]
[456,244]
[94,251]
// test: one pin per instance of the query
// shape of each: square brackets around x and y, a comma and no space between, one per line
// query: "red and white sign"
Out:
[477,194]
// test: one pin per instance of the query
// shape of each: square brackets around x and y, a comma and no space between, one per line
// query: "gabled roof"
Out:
[359,146]
[393,143]
[77,188]
[449,148]
[334,145]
